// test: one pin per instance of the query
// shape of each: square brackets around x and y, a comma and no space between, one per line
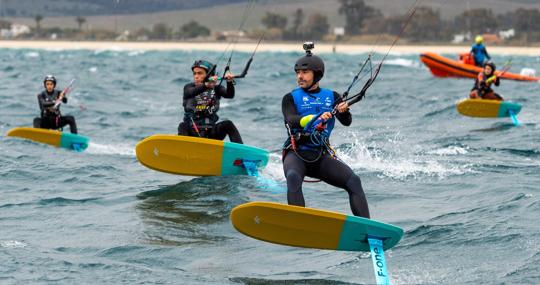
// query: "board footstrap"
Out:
[379,262]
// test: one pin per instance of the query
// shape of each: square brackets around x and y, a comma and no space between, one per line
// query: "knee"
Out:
[354,185]
[70,119]
[182,129]
[37,122]
[228,124]
[293,178]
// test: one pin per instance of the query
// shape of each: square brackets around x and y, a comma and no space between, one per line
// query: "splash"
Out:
[109,149]
[403,62]
[393,161]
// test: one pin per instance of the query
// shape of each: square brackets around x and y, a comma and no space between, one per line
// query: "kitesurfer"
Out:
[201,104]
[482,85]
[310,114]
[49,104]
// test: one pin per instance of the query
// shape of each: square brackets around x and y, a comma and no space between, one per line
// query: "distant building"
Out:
[339,31]
[15,31]
[228,35]
[18,29]
[123,36]
[491,38]
[460,38]
[507,34]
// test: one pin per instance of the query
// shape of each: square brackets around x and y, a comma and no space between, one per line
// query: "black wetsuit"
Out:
[484,89]
[200,113]
[51,117]
[297,165]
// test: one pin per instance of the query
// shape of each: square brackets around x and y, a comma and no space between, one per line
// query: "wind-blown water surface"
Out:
[465,190]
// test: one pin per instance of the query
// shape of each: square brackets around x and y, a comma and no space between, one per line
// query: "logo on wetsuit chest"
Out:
[316,104]
[206,101]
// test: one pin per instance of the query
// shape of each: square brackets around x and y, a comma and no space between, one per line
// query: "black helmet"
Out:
[313,63]
[491,64]
[206,65]
[49,78]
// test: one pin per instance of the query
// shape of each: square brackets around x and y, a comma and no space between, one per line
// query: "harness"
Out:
[315,135]
[483,86]
[50,112]
[201,112]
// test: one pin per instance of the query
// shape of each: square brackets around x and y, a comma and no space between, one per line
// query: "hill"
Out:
[226,15]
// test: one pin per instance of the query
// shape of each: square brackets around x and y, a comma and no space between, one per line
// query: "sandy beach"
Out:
[248,47]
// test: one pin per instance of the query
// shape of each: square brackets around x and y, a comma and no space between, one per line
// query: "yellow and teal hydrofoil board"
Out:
[482,108]
[198,156]
[311,228]
[51,137]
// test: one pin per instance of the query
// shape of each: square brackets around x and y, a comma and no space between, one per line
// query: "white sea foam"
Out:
[110,149]
[399,165]
[12,244]
[32,54]
[403,62]
[451,150]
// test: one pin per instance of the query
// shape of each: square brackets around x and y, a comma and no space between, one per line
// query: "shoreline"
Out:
[264,47]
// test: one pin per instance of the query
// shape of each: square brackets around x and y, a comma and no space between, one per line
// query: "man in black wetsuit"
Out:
[310,113]
[49,104]
[201,104]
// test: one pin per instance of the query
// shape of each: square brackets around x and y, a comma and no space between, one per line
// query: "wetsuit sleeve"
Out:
[497,81]
[226,92]
[64,99]
[289,112]
[344,118]
[192,90]
[43,104]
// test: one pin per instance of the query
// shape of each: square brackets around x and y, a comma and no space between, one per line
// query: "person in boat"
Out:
[310,118]
[483,82]
[479,52]
[201,104]
[49,104]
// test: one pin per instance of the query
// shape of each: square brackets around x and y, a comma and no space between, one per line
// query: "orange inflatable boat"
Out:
[441,66]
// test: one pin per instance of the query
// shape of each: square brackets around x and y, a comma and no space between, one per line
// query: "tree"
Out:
[193,30]
[317,26]
[5,24]
[38,19]
[426,24]
[356,11]
[272,20]
[476,21]
[525,21]
[161,31]
[80,21]
[298,19]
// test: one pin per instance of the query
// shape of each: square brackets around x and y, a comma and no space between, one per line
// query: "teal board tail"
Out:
[74,142]
[507,107]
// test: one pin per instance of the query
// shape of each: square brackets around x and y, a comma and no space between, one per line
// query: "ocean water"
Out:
[466,191]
